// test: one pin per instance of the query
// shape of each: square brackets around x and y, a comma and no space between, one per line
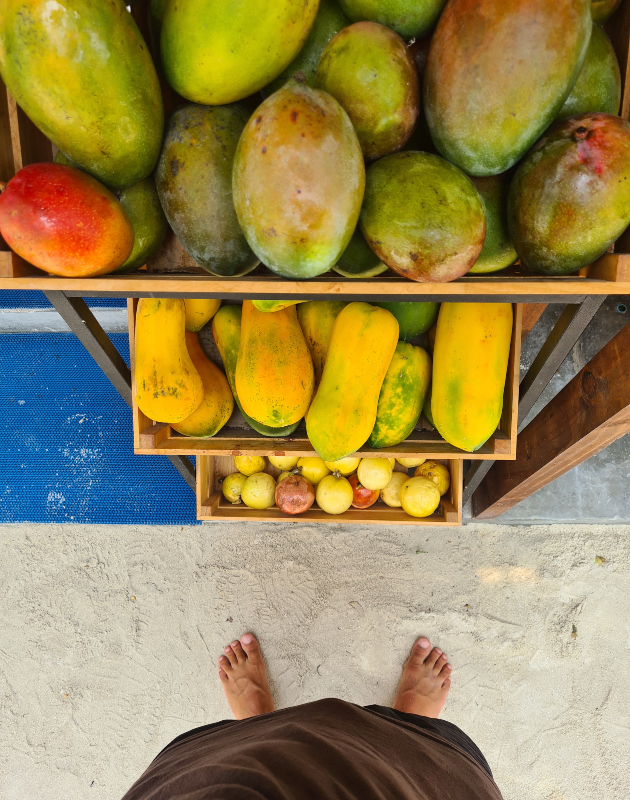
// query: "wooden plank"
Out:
[532,312]
[154,435]
[7,165]
[30,146]
[618,28]
[610,274]
[587,415]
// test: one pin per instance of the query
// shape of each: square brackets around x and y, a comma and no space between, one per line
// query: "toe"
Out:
[230,656]
[445,672]
[250,646]
[441,662]
[238,651]
[419,652]
[224,664]
[223,675]
[433,657]
[446,685]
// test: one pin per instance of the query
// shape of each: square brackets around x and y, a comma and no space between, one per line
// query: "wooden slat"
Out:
[587,415]
[618,28]
[30,146]
[7,165]
[610,274]
[532,312]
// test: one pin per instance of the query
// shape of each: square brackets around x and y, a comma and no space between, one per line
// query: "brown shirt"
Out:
[328,750]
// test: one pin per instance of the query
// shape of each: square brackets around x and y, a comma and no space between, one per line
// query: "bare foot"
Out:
[242,673]
[425,681]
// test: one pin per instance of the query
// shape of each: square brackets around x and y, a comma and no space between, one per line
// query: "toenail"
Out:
[424,643]
[235,643]
[437,650]
[227,649]
[448,666]
[247,639]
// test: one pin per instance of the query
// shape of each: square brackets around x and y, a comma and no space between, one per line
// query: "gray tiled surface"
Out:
[597,490]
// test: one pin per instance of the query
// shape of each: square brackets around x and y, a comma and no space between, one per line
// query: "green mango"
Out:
[368,69]
[498,251]
[409,18]
[142,204]
[358,260]
[298,181]
[598,87]
[413,318]
[157,9]
[570,198]
[226,329]
[82,72]
[194,182]
[420,138]
[329,21]
[422,216]
[603,9]
[402,395]
[495,82]
[216,52]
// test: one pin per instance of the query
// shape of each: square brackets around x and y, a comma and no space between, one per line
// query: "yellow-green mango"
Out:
[219,51]
[298,181]
[82,72]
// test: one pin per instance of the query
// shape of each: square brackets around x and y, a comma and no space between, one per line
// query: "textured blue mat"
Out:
[67,442]
[13,299]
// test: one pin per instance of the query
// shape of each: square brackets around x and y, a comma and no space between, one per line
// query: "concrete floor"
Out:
[109,638]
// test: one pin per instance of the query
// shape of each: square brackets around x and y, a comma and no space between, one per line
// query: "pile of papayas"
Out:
[433,138]
[348,370]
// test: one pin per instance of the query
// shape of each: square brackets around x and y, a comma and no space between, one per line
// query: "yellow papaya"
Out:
[168,387]
[402,395]
[199,311]
[274,305]
[343,413]
[217,404]
[317,318]
[274,371]
[470,358]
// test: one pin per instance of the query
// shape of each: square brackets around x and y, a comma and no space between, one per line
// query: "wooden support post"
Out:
[591,412]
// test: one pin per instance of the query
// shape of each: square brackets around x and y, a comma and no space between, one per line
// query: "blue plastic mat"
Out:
[14,299]
[67,442]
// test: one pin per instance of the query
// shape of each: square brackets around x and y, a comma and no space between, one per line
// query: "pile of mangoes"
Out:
[429,137]
[338,485]
[344,368]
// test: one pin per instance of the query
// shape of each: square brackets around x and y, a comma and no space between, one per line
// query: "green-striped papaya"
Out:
[82,72]
[226,329]
[402,395]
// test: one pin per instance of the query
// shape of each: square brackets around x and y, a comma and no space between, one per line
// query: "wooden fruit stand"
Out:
[499,469]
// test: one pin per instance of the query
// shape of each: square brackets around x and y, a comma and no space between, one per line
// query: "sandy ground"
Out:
[109,638]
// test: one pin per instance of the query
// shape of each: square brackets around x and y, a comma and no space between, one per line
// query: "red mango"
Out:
[65,222]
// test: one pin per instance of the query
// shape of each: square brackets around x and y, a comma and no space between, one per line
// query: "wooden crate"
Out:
[211,504]
[172,271]
[237,438]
